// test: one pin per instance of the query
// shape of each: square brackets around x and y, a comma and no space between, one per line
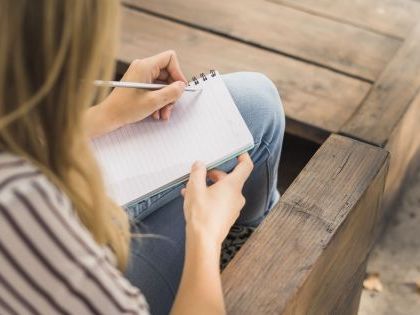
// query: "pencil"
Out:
[136,85]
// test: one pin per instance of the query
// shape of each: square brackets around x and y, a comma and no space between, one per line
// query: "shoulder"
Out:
[47,253]
[29,199]
[21,181]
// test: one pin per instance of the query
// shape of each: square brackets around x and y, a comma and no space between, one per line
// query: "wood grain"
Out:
[317,101]
[340,46]
[392,17]
[404,146]
[382,110]
[348,302]
[307,251]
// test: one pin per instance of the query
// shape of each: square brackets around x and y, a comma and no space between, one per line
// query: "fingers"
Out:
[156,115]
[168,61]
[198,176]
[165,77]
[163,67]
[216,175]
[165,96]
[165,112]
[243,169]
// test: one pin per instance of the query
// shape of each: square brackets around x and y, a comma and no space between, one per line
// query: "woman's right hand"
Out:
[210,211]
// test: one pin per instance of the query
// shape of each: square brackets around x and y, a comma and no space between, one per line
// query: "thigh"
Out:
[259,103]
[157,255]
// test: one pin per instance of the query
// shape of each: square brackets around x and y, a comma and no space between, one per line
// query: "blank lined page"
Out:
[139,159]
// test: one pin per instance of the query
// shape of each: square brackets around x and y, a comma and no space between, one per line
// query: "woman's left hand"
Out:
[124,106]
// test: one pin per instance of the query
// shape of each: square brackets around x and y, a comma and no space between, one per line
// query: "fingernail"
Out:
[181,84]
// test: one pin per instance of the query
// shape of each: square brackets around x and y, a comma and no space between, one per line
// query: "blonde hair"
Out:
[50,51]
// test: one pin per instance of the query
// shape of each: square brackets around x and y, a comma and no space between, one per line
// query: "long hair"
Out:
[50,52]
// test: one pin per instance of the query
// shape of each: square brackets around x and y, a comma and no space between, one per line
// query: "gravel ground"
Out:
[397,260]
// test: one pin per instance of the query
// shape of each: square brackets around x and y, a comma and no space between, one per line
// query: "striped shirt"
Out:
[49,262]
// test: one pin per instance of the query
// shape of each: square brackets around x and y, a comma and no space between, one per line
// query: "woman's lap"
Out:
[157,260]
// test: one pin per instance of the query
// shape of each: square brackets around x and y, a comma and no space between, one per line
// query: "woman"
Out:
[64,245]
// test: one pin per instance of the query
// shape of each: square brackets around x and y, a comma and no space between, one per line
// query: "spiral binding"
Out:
[195,80]
[203,77]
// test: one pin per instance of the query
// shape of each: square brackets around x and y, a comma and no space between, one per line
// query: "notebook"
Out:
[147,157]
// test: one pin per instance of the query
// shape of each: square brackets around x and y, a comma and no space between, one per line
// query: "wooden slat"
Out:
[392,17]
[317,101]
[333,44]
[304,256]
[390,96]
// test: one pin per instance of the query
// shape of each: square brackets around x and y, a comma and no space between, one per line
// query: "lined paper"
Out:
[140,159]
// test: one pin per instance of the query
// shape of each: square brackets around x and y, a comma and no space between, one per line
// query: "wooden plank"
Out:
[392,17]
[404,146]
[307,251]
[390,96]
[349,301]
[313,106]
[343,47]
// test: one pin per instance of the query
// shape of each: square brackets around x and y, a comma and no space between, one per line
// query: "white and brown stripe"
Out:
[49,262]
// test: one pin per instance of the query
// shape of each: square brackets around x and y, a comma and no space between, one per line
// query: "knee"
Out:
[266,98]
[259,102]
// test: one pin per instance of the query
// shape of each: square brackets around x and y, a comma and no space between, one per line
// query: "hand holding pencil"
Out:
[128,105]
[163,67]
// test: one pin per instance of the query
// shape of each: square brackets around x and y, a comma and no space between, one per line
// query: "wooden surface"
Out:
[305,254]
[404,146]
[381,112]
[322,55]
[340,46]
[392,17]
[349,299]
[312,105]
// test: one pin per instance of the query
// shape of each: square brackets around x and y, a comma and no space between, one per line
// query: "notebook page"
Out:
[142,157]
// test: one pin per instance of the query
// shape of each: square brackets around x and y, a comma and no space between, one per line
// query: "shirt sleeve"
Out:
[50,263]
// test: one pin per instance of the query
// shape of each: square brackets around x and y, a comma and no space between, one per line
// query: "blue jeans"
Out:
[157,256]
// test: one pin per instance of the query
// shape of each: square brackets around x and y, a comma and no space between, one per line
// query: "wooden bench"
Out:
[309,255]
[349,77]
